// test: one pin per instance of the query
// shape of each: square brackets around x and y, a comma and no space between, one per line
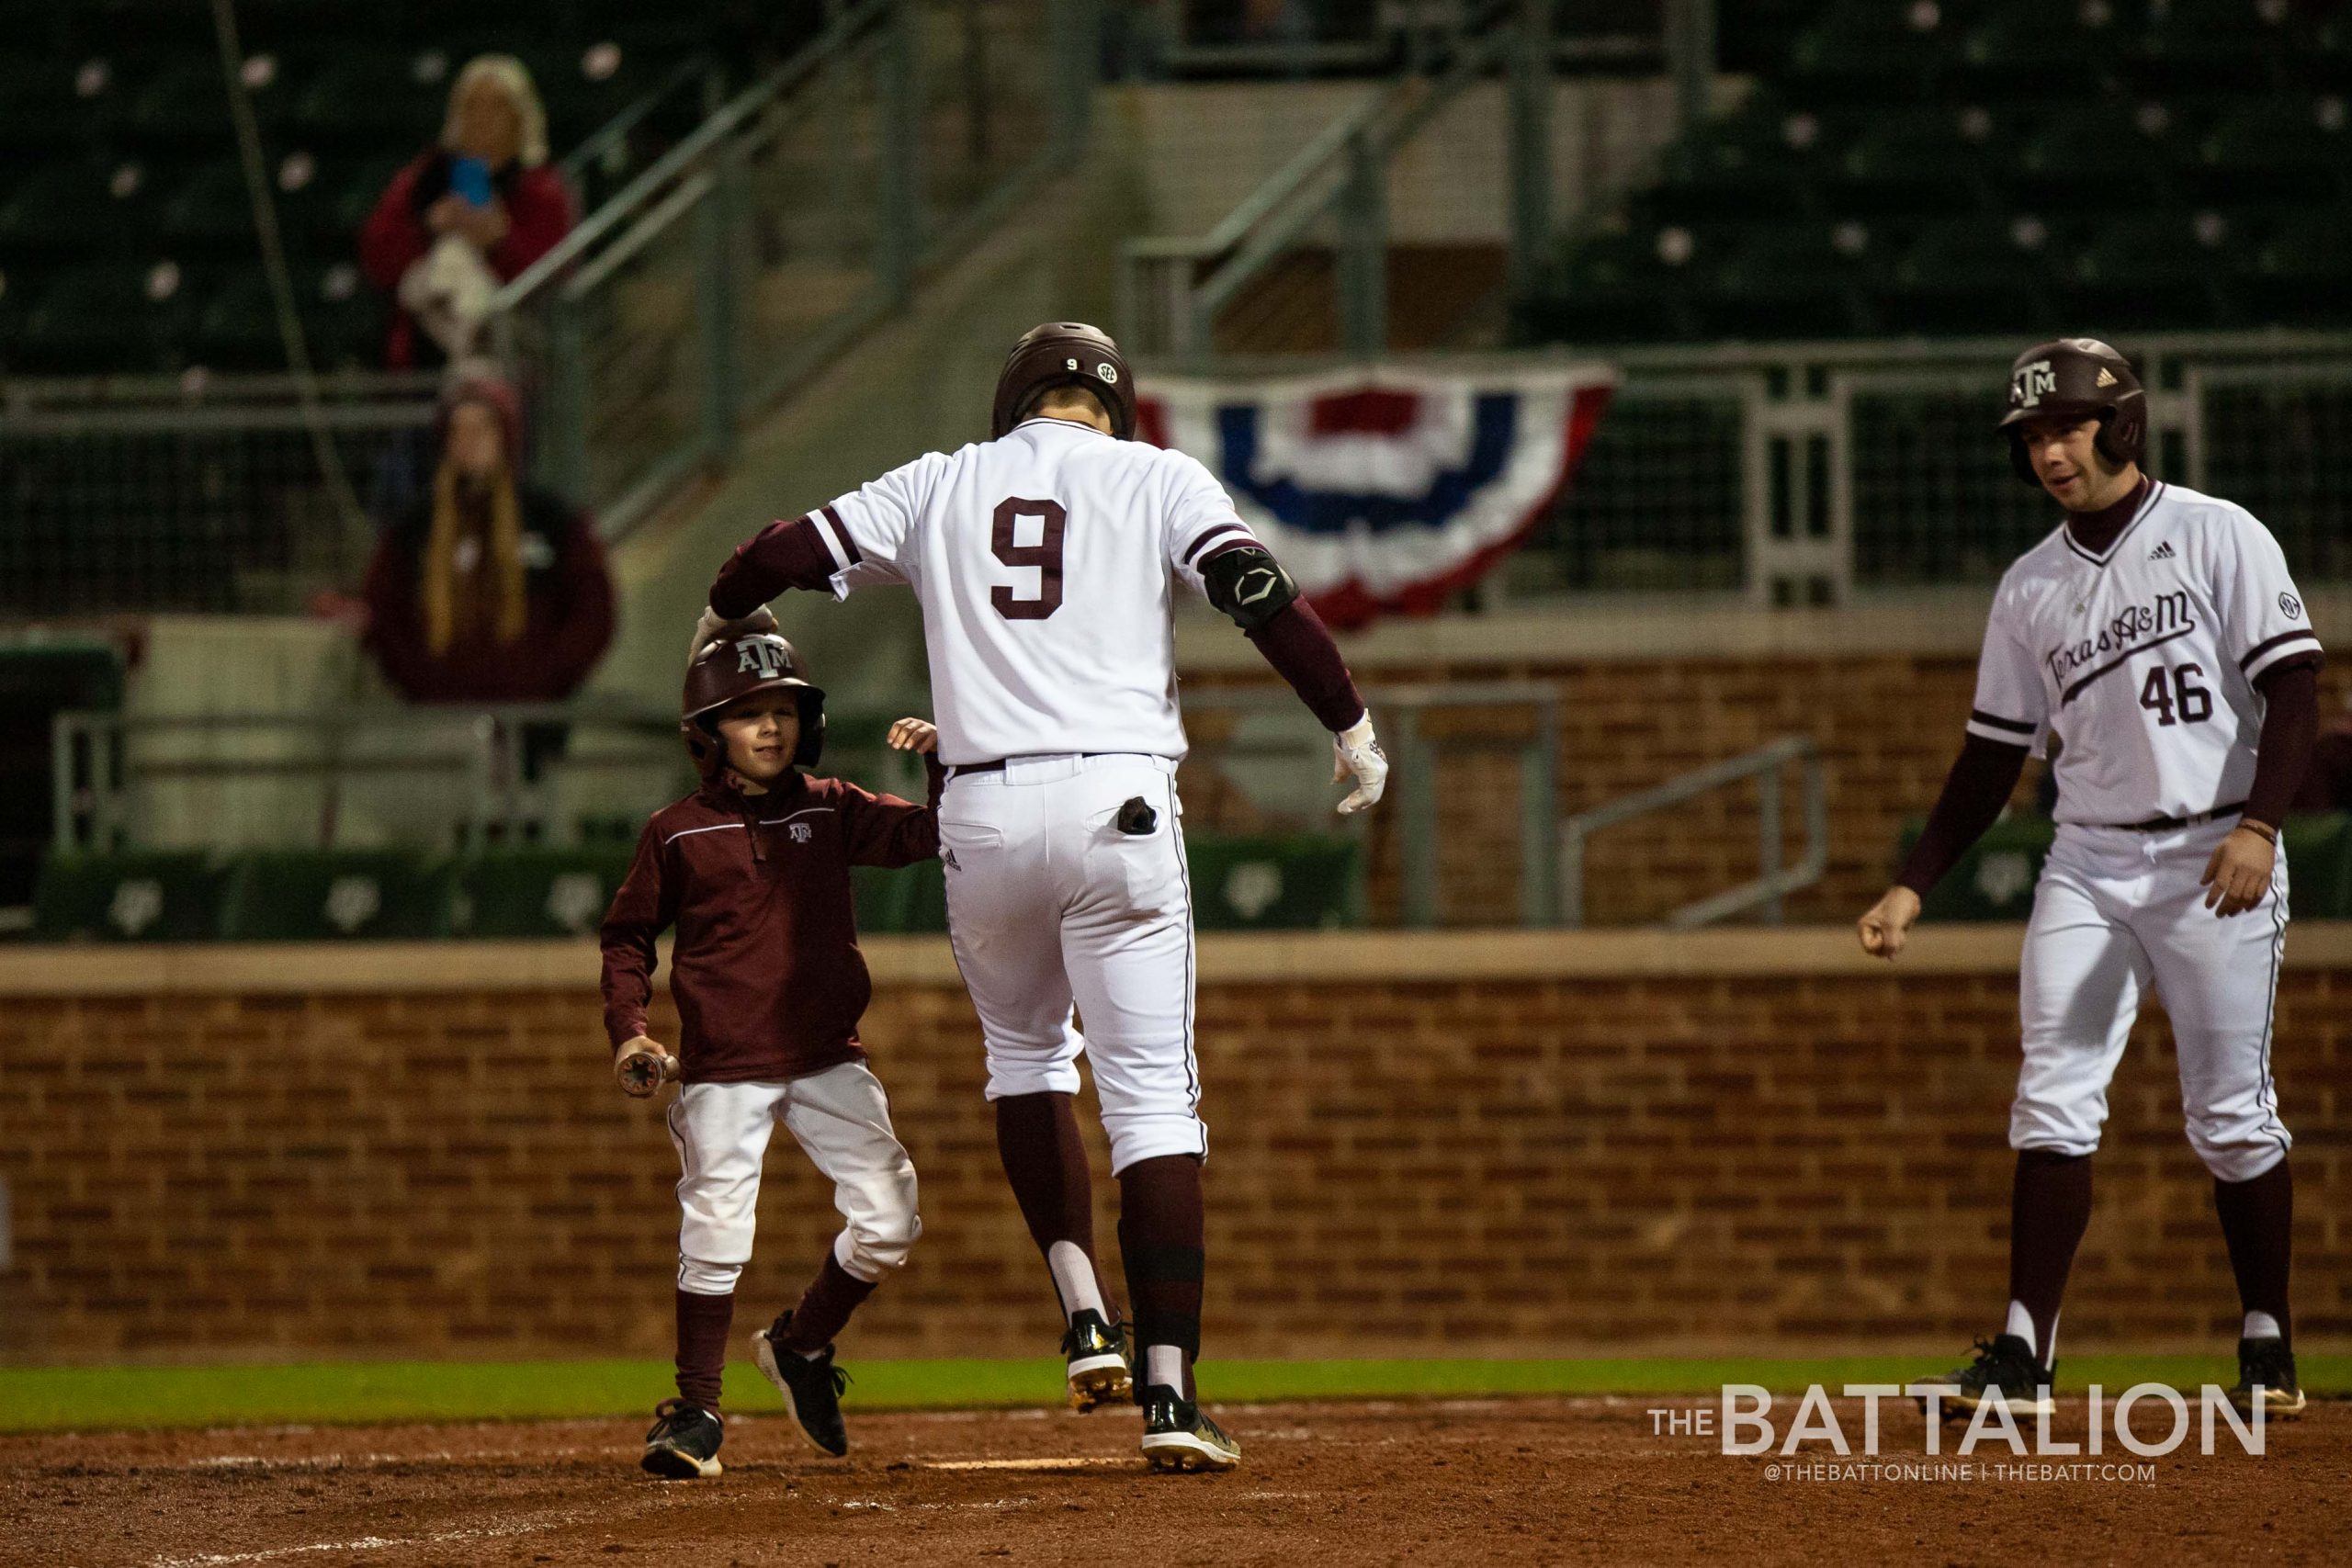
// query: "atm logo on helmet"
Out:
[767,655]
[2032,383]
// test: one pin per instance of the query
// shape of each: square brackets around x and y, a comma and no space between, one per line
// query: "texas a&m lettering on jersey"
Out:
[2141,660]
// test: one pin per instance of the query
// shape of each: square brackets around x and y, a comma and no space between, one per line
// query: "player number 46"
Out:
[2175,697]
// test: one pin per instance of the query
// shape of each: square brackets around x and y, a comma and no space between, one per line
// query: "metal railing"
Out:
[458,778]
[1809,473]
[162,495]
[431,777]
[792,219]
[1773,881]
[1333,191]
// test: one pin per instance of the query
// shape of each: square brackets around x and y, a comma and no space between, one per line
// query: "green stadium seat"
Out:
[2298,275]
[1928,161]
[209,210]
[2032,48]
[336,896]
[113,317]
[1994,880]
[1269,883]
[163,896]
[909,899]
[2148,270]
[1789,281]
[2088,155]
[379,99]
[1968,276]
[539,892]
[2319,866]
[83,210]
[2209,43]
[49,106]
[1752,164]
[1613,289]
[1865,50]
[342,319]
[2288,147]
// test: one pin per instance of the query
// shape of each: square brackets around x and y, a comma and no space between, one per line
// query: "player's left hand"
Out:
[913,735]
[1356,753]
[2239,874]
[643,1066]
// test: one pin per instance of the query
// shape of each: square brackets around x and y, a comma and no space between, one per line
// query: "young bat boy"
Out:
[753,869]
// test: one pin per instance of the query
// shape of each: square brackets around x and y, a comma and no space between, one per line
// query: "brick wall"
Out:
[1888,726]
[1518,1166]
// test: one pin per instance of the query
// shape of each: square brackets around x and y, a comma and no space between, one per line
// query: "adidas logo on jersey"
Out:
[2161,552]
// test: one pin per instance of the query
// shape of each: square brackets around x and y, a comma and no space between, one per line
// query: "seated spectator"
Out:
[465,216]
[488,590]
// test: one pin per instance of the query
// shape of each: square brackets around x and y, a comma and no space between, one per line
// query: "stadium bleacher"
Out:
[1958,166]
[127,238]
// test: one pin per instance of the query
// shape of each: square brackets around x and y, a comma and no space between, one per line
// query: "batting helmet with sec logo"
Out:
[1063,354]
[2076,377]
[749,656]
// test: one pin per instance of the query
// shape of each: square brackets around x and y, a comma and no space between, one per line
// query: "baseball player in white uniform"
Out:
[2158,637]
[1046,561]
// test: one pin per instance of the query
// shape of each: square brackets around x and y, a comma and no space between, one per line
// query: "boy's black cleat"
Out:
[2004,1370]
[683,1443]
[1177,1436]
[1101,1363]
[2267,1376]
[811,1387]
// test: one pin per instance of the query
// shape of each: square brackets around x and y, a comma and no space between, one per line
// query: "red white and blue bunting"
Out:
[1385,490]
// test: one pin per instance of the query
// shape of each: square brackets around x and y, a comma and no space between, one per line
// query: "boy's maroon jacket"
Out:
[765,969]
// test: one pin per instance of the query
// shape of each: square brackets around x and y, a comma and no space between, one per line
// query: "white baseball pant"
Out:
[841,1117]
[2119,913]
[1049,904]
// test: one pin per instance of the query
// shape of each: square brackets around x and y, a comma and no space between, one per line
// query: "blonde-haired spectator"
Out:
[465,215]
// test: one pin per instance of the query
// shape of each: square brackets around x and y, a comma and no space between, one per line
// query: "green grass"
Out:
[96,1398]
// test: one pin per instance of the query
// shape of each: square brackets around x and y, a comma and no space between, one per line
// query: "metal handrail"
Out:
[1776,882]
[722,122]
[1348,154]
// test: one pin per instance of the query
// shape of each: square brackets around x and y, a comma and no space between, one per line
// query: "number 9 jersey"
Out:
[2141,661]
[1044,563]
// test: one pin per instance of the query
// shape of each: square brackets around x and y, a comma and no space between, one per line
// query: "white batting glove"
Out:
[714,624]
[1356,753]
[705,629]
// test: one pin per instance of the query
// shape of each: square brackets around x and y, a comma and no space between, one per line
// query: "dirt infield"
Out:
[1453,1482]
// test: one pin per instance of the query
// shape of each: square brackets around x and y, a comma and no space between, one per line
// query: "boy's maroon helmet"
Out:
[746,656]
[1063,354]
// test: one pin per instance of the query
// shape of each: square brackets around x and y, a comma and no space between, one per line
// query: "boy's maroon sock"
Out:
[702,1345]
[824,1308]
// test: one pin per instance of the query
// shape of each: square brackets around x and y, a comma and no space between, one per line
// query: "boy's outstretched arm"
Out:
[887,831]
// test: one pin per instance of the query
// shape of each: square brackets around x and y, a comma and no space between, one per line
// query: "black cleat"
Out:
[2267,1374]
[1101,1361]
[2004,1370]
[683,1443]
[811,1387]
[1177,1436]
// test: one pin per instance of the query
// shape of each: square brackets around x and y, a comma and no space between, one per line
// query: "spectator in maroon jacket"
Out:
[488,186]
[489,590]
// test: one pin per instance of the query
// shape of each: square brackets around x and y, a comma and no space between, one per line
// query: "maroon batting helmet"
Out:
[2076,377]
[1063,354]
[746,656]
